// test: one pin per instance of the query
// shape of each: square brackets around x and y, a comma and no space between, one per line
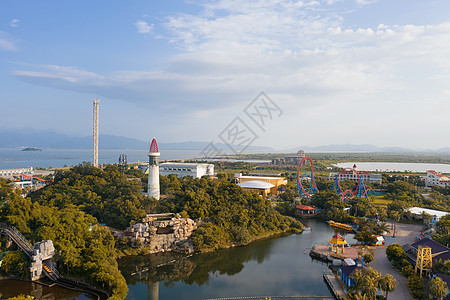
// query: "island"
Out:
[31,149]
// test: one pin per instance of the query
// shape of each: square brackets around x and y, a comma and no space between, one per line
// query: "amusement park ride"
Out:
[306,184]
[23,180]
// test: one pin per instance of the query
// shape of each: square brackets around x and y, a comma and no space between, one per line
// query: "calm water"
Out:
[57,158]
[11,288]
[394,167]
[277,266]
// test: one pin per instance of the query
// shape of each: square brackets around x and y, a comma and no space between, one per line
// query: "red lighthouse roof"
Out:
[154,147]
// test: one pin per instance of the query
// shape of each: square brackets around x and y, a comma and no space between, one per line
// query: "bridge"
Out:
[40,254]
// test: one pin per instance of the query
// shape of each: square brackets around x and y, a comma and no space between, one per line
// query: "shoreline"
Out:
[150,252]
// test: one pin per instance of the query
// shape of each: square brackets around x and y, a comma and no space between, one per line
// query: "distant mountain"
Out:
[44,139]
[351,148]
[444,150]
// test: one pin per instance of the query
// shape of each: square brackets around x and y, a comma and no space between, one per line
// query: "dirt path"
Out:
[406,233]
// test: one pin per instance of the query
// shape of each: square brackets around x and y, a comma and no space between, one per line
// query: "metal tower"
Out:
[95,133]
[424,259]
[153,170]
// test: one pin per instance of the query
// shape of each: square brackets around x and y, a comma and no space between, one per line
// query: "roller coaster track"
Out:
[26,247]
[49,270]
[32,177]
[308,177]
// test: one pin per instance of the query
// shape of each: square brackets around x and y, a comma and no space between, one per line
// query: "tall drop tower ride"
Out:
[95,133]
[153,170]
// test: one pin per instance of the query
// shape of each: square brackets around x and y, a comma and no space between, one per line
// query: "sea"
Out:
[396,167]
[59,158]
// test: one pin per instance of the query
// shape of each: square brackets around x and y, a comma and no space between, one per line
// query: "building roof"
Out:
[352,172]
[441,177]
[183,165]
[304,207]
[432,212]
[256,184]
[337,239]
[153,147]
[348,270]
[435,246]
[260,177]
[349,262]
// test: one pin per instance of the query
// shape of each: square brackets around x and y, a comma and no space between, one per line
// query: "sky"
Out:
[277,73]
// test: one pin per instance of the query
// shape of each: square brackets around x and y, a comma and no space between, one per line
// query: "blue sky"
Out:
[341,71]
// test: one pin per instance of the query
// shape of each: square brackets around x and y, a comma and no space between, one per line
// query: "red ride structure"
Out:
[349,194]
[311,189]
[21,177]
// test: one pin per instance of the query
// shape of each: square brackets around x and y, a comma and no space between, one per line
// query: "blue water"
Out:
[396,167]
[58,158]
[271,267]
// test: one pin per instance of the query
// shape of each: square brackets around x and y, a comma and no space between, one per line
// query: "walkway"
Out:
[406,233]
[335,286]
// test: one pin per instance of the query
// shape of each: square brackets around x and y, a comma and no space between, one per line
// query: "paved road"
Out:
[406,233]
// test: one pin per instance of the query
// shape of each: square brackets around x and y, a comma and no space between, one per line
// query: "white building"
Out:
[185,169]
[353,175]
[436,215]
[8,173]
[435,178]
[153,171]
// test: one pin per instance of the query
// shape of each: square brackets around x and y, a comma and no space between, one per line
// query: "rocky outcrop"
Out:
[43,251]
[163,232]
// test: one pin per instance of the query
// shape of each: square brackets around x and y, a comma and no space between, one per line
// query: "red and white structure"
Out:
[153,170]
[435,178]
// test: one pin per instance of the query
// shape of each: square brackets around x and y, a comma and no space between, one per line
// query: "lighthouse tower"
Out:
[153,170]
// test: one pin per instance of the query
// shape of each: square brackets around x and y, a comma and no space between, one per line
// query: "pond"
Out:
[278,266]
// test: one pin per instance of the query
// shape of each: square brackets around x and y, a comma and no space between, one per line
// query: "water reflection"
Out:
[11,288]
[276,266]
[197,269]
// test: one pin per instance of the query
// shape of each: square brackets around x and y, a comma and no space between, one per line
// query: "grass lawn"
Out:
[380,201]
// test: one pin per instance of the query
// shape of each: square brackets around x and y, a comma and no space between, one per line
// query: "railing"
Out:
[18,238]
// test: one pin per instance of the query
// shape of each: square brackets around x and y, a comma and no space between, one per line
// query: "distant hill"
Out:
[352,148]
[44,139]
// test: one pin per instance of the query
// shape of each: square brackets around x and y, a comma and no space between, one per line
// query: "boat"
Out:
[340,225]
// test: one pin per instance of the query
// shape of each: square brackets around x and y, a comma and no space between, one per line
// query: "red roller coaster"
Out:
[20,177]
[348,194]
[308,177]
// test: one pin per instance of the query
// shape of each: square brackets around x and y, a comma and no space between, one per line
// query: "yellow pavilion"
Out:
[338,243]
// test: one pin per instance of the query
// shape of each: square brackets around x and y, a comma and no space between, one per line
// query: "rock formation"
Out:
[163,232]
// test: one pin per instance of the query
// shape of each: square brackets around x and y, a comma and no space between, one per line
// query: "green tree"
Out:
[388,284]
[366,282]
[326,199]
[16,263]
[395,253]
[438,288]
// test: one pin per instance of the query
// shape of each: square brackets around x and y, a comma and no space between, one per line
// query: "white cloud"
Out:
[365,2]
[5,43]
[143,27]
[300,51]
[14,23]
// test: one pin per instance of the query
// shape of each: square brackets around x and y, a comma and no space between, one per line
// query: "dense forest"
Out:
[83,250]
[76,210]
[230,215]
